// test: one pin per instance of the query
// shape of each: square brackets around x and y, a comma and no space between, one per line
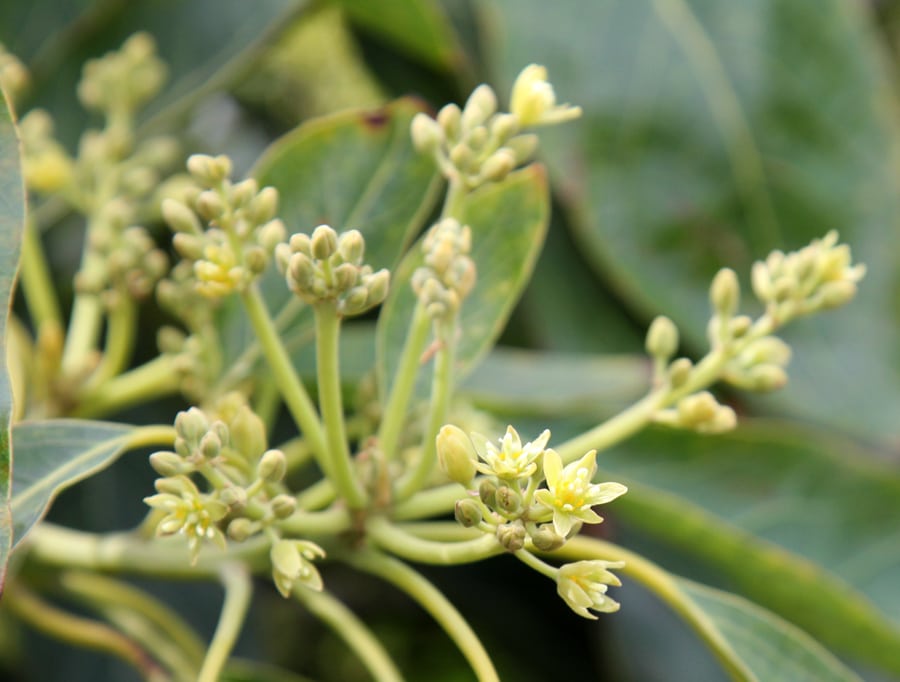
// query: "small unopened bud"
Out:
[272,466]
[427,134]
[179,217]
[210,445]
[837,293]
[767,377]
[546,539]
[511,536]
[323,242]
[662,338]
[301,243]
[448,118]
[345,276]
[169,464]
[248,433]
[234,496]
[174,485]
[679,371]
[462,156]
[378,285]
[209,205]
[456,454]
[479,107]
[355,301]
[255,259]
[301,272]
[725,293]
[352,246]
[242,192]
[487,491]
[209,170]
[509,501]
[271,235]
[283,506]
[739,326]
[467,513]
[188,245]
[191,425]
[504,126]
[523,146]
[498,165]
[241,529]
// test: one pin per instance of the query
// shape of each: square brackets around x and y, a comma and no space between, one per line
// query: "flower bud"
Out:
[323,242]
[467,513]
[191,425]
[209,170]
[378,284]
[345,276]
[242,192]
[662,338]
[546,539]
[487,491]
[725,293]
[174,485]
[427,134]
[511,536]
[509,501]
[504,126]
[680,371]
[272,466]
[352,247]
[210,445]
[209,205]
[479,107]
[234,497]
[283,506]
[354,301]
[248,433]
[498,165]
[739,326]
[523,146]
[169,464]
[301,243]
[179,217]
[766,377]
[456,454]
[448,119]
[241,529]
[271,235]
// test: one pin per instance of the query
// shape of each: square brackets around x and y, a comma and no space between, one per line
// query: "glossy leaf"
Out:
[793,519]
[713,133]
[509,222]
[417,27]
[770,648]
[53,455]
[12,221]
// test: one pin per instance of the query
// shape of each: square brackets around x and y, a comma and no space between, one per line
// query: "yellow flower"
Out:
[583,585]
[511,460]
[569,494]
[533,100]
[292,565]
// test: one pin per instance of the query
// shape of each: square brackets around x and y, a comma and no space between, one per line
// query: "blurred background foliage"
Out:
[713,132]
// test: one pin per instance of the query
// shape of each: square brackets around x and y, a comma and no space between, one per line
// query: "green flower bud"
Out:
[479,107]
[837,293]
[272,466]
[487,491]
[354,301]
[271,235]
[243,192]
[456,454]
[323,242]
[191,425]
[523,146]
[209,205]
[504,126]
[169,464]
[662,338]
[697,408]
[234,497]
[179,217]
[725,293]
[210,445]
[378,284]
[679,371]
[476,138]
[509,501]
[283,506]
[209,170]
[241,529]
[546,539]
[448,119]
[766,377]
[248,433]
[511,536]
[739,326]
[345,276]
[352,246]
[170,340]
[301,243]
[467,513]
[255,259]
[498,165]
[462,156]
[427,134]
[174,485]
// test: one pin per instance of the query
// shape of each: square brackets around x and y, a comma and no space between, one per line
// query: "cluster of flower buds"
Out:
[326,266]
[699,412]
[243,475]
[242,234]
[817,277]
[477,144]
[126,264]
[507,501]
[448,274]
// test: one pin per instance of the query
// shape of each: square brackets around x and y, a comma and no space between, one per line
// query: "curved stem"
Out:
[147,436]
[432,600]
[158,628]
[664,586]
[295,396]
[238,590]
[120,332]
[427,503]
[153,379]
[331,405]
[352,630]
[329,522]
[404,382]
[318,495]
[397,541]
[532,561]
[82,632]
[84,331]
[36,281]
[441,392]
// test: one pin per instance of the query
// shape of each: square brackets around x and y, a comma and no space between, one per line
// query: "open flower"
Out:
[570,494]
[533,100]
[583,585]
[190,513]
[512,460]
[292,565]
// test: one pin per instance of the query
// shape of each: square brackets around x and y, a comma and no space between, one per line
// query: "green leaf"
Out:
[53,455]
[795,520]
[556,384]
[713,133]
[351,170]
[509,221]
[770,648]
[12,222]
[418,27]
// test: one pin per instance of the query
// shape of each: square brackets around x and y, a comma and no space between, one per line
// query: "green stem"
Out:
[127,553]
[532,561]
[441,392]
[37,283]
[318,495]
[427,503]
[147,620]
[83,333]
[329,522]
[238,590]
[154,379]
[352,630]
[664,586]
[292,390]
[456,194]
[432,600]
[82,632]
[120,333]
[397,541]
[328,371]
[404,382]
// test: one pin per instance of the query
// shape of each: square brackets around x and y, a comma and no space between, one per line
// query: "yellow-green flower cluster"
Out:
[325,266]
[448,275]
[242,230]
[477,144]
